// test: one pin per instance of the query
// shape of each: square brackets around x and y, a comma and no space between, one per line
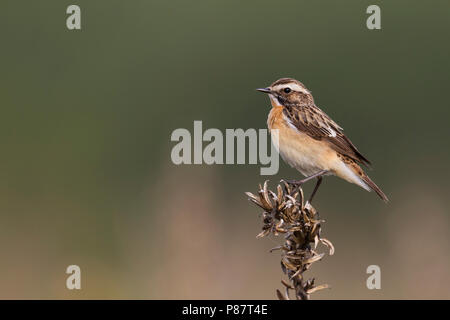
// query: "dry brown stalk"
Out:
[286,212]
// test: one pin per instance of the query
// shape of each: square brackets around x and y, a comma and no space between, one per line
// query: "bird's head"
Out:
[286,91]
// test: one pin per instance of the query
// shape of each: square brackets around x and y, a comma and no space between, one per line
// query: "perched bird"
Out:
[310,141]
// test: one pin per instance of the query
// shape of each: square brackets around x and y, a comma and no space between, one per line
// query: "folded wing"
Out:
[315,123]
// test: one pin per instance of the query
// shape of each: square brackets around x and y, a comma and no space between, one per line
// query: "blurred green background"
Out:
[86,117]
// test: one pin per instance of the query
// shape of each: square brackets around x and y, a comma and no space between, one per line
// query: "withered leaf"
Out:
[280,295]
[317,288]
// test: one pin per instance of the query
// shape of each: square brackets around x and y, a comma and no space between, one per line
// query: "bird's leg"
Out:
[319,181]
[315,175]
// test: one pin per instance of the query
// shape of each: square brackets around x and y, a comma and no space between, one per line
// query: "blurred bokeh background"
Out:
[86,117]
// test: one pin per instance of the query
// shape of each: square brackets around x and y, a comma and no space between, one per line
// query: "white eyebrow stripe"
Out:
[293,86]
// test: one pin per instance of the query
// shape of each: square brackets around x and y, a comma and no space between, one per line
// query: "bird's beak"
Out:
[265,90]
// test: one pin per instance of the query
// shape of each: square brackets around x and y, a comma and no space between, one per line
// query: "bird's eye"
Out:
[287,90]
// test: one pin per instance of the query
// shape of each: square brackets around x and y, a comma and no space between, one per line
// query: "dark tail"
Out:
[375,188]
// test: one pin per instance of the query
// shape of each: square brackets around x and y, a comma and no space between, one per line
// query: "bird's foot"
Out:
[294,182]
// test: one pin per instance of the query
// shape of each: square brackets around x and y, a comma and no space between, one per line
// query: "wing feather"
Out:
[318,125]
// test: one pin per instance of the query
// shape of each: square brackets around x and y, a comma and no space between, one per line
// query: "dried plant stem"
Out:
[285,212]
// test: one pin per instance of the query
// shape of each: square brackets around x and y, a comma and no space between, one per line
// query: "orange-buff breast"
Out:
[300,151]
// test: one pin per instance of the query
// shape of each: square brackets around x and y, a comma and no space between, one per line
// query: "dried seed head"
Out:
[286,212]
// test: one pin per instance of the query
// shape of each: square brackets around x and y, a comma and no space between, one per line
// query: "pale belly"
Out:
[300,151]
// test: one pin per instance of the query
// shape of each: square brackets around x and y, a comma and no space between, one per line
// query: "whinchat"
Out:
[310,141]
